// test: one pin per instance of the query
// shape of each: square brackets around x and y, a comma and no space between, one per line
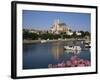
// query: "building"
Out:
[78,33]
[33,31]
[59,27]
[70,33]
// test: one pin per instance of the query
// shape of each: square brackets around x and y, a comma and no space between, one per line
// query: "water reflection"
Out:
[41,55]
[57,50]
[73,51]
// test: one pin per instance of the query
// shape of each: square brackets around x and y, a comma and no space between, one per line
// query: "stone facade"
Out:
[59,27]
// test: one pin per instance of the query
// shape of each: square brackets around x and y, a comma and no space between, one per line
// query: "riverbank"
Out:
[45,41]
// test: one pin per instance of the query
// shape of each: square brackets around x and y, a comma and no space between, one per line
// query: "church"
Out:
[59,27]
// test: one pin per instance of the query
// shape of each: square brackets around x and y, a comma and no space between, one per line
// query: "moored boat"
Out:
[43,41]
[87,45]
[77,48]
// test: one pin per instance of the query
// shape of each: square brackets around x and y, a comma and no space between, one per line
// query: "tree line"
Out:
[50,36]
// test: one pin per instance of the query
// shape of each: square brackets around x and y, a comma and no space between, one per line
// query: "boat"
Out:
[77,48]
[87,45]
[73,51]
[43,41]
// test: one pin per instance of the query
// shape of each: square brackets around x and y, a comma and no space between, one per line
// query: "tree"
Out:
[28,35]
[87,33]
[74,35]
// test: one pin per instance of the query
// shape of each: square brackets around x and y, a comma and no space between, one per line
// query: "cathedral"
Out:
[59,27]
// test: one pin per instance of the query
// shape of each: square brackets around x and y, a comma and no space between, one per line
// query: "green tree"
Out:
[27,35]
[87,33]
[74,35]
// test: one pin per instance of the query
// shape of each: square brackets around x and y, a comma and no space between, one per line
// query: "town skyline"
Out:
[43,20]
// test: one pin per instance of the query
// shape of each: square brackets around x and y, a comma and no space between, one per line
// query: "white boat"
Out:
[43,41]
[72,48]
[73,51]
[87,45]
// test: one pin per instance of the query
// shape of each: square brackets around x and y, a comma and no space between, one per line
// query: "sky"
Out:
[43,20]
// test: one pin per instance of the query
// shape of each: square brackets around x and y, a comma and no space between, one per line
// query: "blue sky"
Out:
[43,20]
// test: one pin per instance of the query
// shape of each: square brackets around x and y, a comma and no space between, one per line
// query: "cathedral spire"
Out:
[57,21]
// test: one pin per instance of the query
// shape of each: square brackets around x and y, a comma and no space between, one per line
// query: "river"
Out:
[40,55]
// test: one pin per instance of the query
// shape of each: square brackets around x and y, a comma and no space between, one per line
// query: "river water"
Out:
[40,55]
